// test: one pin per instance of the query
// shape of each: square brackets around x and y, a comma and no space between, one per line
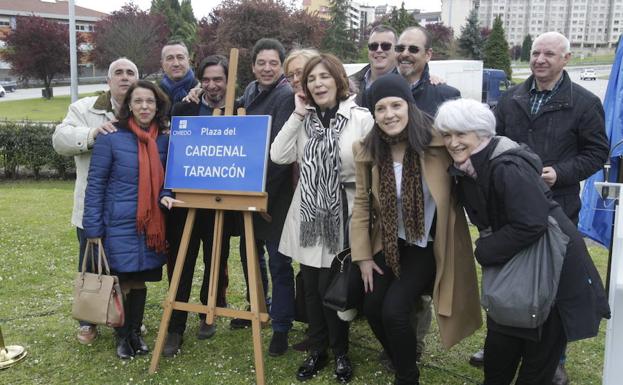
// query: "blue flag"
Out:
[596,215]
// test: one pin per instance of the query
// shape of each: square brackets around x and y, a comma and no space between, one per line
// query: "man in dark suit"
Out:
[271,94]
[213,79]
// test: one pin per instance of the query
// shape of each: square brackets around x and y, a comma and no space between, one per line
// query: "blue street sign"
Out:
[218,153]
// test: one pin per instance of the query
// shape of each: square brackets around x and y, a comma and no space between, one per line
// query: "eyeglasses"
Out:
[291,75]
[411,48]
[384,46]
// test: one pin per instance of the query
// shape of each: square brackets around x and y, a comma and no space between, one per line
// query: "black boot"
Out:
[124,349]
[137,299]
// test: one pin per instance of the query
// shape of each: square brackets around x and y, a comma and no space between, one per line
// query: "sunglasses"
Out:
[411,48]
[384,46]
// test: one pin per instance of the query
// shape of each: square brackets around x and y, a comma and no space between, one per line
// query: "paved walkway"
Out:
[32,93]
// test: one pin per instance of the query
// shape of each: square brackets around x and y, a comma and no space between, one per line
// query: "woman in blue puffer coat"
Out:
[122,203]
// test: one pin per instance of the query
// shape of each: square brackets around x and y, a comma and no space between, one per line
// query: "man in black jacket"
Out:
[413,52]
[213,79]
[271,94]
[561,121]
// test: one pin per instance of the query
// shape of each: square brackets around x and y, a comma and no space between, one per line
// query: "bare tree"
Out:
[132,33]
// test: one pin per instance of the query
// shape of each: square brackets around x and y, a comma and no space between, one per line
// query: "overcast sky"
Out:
[203,7]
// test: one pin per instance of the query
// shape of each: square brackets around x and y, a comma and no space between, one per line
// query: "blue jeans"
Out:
[259,248]
[82,241]
[282,278]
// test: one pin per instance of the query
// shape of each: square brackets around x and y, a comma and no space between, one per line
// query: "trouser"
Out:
[389,305]
[282,279]
[82,242]
[539,359]
[203,232]
[259,249]
[421,318]
[326,329]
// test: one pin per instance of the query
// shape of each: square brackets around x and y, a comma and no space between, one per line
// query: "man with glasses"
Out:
[271,94]
[413,52]
[382,60]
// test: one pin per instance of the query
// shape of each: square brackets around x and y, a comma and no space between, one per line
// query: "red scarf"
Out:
[149,217]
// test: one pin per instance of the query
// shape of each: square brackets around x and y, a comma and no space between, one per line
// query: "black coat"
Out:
[278,102]
[568,134]
[509,197]
[429,97]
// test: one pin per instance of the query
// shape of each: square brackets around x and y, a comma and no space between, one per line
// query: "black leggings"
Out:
[326,329]
[388,307]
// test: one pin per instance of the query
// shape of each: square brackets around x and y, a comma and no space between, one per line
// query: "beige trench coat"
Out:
[455,293]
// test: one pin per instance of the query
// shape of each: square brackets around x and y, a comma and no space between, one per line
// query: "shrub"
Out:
[29,144]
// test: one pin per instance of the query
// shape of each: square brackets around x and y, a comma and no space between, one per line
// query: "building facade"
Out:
[590,24]
[55,10]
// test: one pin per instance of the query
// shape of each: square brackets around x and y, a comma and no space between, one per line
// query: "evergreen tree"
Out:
[339,39]
[496,49]
[526,47]
[400,19]
[179,18]
[471,41]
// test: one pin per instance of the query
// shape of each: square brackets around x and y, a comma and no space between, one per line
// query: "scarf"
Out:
[412,200]
[321,204]
[149,217]
[177,90]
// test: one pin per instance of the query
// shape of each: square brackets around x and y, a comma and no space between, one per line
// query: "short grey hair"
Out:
[464,116]
[566,45]
[111,67]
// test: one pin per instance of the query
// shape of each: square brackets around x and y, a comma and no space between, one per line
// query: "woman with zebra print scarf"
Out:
[319,136]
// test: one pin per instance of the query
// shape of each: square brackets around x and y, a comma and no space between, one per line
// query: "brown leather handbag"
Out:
[97,296]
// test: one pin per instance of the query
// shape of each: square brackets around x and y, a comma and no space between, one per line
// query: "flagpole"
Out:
[73,56]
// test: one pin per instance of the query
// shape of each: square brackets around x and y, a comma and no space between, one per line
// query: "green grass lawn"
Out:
[38,254]
[53,110]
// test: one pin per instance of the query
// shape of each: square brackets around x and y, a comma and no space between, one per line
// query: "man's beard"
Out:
[214,100]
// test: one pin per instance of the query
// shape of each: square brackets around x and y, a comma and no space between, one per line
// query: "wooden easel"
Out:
[220,201]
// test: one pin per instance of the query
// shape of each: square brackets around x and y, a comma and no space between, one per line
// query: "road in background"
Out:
[33,93]
[598,87]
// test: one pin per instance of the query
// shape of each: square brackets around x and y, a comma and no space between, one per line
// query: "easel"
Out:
[220,201]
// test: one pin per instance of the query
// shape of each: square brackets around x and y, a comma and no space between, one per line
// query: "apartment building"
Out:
[587,23]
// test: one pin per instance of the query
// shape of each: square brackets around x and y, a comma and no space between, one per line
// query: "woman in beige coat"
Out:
[319,135]
[417,225]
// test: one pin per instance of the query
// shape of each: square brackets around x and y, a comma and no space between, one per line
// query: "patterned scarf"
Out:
[412,200]
[321,205]
[177,90]
[149,217]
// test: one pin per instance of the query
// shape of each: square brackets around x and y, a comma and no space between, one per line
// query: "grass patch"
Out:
[38,254]
[38,109]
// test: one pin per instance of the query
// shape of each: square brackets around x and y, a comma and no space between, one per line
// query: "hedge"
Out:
[28,145]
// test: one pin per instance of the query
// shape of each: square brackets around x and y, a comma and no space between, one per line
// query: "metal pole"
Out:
[73,57]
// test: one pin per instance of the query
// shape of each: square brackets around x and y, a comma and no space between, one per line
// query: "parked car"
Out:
[9,86]
[2,92]
[588,74]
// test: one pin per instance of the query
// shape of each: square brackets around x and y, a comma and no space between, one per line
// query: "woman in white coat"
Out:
[319,136]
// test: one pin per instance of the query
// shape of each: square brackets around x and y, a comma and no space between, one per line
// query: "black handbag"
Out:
[345,290]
